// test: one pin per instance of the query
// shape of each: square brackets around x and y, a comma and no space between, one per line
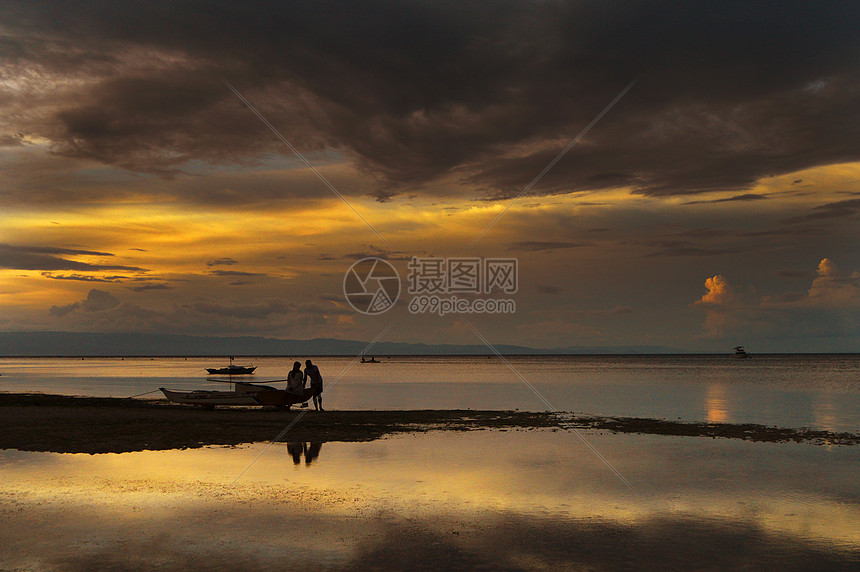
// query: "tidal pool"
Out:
[495,500]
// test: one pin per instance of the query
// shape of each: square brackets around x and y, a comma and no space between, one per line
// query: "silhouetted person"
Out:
[313,372]
[295,449]
[296,379]
[312,452]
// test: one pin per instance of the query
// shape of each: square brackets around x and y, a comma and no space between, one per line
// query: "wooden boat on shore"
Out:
[243,394]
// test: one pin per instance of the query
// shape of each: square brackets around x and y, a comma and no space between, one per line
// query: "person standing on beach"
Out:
[295,379]
[313,372]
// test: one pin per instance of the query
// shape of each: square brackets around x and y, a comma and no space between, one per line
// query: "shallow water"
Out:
[520,500]
[819,391]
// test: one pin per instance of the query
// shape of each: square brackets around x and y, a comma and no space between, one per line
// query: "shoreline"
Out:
[65,424]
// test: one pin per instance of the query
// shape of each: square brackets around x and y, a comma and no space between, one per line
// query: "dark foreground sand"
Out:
[39,422]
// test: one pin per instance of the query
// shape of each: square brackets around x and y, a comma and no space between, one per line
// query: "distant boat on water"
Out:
[231,369]
[741,353]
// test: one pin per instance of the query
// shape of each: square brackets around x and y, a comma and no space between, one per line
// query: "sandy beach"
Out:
[62,424]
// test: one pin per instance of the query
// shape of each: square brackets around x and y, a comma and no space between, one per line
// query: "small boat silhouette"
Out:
[741,353]
[231,369]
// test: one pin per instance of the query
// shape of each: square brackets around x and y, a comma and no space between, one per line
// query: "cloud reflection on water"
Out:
[497,500]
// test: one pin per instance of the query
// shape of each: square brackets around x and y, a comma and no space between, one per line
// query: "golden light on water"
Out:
[716,404]
[439,474]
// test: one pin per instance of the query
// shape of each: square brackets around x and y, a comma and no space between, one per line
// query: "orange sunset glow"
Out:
[143,191]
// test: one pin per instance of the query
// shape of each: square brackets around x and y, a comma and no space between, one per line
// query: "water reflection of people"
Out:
[312,452]
[298,448]
[295,450]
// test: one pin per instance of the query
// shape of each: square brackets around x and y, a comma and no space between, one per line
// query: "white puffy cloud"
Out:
[831,307]
[827,268]
[719,291]
[834,288]
[719,298]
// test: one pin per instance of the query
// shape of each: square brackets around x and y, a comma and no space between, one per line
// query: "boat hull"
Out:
[231,371]
[263,396]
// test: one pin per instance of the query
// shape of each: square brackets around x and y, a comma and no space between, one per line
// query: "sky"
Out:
[216,168]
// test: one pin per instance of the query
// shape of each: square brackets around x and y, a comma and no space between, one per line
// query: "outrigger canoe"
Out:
[244,394]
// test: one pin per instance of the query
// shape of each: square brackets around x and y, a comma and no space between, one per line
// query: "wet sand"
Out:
[62,424]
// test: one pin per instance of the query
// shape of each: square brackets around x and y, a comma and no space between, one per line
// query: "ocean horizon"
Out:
[791,390]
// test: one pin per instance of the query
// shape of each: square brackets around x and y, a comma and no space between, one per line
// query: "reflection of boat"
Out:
[231,369]
[741,353]
[243,394]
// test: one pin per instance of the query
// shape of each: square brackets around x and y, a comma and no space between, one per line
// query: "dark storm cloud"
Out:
[83,277]
[374,252]
[806,231]
[743,198]
[828,211]
[247,311]
[96,301]
[539,246]
[701,242]
[681,248]
[222,262]
[234,273]
[675,240]
[45,258]
[152,286]
[65,310]
[728,93]
[51,250]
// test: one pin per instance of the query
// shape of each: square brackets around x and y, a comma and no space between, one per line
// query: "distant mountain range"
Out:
[51,344]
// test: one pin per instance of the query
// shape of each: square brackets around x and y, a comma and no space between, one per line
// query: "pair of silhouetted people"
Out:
[296,381]
[298,448]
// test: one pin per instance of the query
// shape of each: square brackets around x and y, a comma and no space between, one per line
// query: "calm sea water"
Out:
[820,391]
[490,500]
